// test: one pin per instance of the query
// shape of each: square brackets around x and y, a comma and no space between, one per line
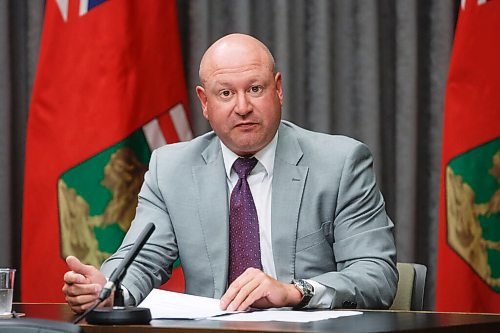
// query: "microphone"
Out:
[118,274]
[119,314]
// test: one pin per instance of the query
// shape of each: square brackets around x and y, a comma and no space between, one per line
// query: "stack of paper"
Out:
[169,305]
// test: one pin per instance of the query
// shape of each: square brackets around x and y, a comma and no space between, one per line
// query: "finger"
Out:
[244,288]
[81,300]
[235,287]
[228,297]
[75,308]
[79,308]
[258,293]
[246,296]
[72,277]
[81,289]
[78,267]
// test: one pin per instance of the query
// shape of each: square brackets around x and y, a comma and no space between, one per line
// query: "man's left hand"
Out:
[256,289]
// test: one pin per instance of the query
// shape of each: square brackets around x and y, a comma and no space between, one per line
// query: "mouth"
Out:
[245,125]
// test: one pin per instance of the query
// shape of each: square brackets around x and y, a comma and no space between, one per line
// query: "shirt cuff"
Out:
[127,298]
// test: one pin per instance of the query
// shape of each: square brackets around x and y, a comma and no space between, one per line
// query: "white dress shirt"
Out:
[260,181]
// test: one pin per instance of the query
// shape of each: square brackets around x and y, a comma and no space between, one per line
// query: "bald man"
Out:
[324,238]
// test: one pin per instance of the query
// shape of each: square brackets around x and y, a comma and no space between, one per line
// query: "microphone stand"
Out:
[120,314]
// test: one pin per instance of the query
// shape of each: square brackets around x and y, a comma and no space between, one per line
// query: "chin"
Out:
[243,150]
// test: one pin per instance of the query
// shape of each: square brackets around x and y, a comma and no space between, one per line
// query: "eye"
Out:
[256,89]
[225,93]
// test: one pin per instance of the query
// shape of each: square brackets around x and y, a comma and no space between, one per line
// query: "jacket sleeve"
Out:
[363,246]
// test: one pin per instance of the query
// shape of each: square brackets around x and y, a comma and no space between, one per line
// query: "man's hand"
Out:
[256,289]
[82,285]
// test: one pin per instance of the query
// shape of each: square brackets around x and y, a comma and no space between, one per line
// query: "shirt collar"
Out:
[265,156]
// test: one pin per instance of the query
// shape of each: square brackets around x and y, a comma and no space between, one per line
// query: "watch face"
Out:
[307,291]
[308,288]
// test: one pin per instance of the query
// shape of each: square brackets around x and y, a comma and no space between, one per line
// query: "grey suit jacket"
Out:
[328,219]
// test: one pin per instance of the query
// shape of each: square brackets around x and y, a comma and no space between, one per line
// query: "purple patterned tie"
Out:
[244,240]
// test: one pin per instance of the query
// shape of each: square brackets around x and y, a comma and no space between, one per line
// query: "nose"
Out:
[243,105]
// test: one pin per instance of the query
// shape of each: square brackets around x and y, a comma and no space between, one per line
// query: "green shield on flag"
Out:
[473,209]
[97,199]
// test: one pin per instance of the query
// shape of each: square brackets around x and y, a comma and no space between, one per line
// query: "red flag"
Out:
[109,88]
[468,276]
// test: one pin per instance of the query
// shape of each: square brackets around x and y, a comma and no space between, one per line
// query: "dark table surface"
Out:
[369,321]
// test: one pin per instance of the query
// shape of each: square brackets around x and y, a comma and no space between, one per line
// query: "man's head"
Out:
[240,93]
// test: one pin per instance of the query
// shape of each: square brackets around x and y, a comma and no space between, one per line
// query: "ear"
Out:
[202,96]
[279,86]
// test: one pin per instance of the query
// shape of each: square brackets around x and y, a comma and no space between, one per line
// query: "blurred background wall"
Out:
[374,70]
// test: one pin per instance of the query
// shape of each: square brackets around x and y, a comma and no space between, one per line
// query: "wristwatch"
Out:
[307,291]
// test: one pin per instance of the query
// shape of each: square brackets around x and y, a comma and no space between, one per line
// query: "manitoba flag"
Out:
[468,276]
[109,88]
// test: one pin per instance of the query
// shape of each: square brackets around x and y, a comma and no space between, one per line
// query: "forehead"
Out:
[235,59]
[240,75]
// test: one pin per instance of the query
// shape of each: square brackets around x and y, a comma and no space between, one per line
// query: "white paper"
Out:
[170,305]
[286,315]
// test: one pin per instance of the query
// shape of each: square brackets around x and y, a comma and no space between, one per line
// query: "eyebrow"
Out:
[251,81]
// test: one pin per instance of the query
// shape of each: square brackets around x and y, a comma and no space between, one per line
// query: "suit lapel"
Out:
[213,212]
[288,186]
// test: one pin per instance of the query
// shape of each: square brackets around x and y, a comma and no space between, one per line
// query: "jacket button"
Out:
[349,305]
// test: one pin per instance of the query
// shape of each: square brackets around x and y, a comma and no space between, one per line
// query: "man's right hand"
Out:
[82,285]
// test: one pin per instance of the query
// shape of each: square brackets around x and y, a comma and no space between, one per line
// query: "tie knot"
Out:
[243,166]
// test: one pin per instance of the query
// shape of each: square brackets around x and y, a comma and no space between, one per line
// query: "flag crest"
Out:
[473,210]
